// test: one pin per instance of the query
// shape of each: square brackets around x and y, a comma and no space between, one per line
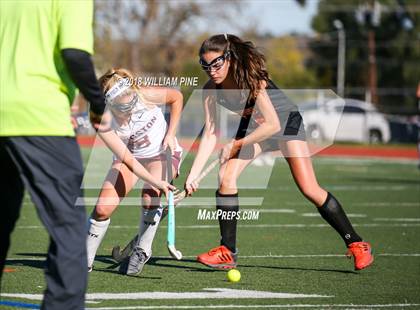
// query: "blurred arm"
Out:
[81,70]
[208,139]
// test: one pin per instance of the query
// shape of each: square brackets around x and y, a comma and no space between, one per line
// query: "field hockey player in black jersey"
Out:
[269,121]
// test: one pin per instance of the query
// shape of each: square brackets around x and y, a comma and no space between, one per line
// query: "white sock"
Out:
[149,223]
[96,232]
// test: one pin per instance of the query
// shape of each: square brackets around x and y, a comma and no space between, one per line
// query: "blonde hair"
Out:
[113,76]
[146,94]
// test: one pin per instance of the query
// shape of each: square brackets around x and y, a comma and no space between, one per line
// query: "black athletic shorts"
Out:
[292,128]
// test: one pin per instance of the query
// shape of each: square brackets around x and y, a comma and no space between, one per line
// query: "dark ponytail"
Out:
[247,63]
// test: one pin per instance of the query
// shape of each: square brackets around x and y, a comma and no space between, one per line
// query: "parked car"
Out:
[345,120]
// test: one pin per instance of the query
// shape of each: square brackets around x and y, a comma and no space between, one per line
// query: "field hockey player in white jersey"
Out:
[138,121]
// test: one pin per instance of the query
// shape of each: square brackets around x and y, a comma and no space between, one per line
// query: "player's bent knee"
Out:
[228,183]
[103,212]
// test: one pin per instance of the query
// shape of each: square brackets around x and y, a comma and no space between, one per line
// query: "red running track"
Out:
[402,152]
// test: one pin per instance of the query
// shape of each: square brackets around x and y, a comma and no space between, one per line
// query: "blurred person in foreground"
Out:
[46,49]
[418,121]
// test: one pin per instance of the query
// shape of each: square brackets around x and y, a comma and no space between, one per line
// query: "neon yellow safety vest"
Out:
[35,88]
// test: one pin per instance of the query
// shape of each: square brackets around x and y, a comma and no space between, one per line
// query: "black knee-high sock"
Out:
[228,204]
[333,213]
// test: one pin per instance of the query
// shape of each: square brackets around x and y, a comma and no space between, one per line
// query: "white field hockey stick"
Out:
[119,255]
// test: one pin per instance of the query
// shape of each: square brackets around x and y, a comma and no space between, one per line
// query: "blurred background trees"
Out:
[152,36]
[397,49]
[161,38]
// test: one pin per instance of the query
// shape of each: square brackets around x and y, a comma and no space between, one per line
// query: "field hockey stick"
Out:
[171,210]
[118,255]
[180,196]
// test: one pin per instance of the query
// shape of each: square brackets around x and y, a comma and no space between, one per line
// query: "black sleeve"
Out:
[80,67]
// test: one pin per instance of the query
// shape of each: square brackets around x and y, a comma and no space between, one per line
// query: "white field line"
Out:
[363,160]
[388,219]
[236,306]
[211,205]
[191,201]
[388,204]
[364,204]
[270,210]
[258,200]
[130,201]
[256,256]
[205,293]
[377,225]
[348,214]
[366,188]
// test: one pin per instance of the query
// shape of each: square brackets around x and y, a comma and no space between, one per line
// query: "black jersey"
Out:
[290,119]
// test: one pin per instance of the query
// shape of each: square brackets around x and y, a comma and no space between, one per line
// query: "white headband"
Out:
[116,90]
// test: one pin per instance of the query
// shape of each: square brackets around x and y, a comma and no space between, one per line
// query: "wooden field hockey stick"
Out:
[180,196]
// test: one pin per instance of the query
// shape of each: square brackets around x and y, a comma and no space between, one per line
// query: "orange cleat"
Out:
[362,253]
[220,257]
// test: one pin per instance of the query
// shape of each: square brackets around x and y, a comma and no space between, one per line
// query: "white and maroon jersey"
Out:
[144,132]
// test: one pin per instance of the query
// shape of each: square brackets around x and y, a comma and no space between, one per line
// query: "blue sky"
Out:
[278,17]
[283,16]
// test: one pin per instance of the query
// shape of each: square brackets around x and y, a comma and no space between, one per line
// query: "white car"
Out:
[345,120]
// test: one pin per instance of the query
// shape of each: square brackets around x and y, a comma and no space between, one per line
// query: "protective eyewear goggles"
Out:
[119,105]
[215,64]
[117,96]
